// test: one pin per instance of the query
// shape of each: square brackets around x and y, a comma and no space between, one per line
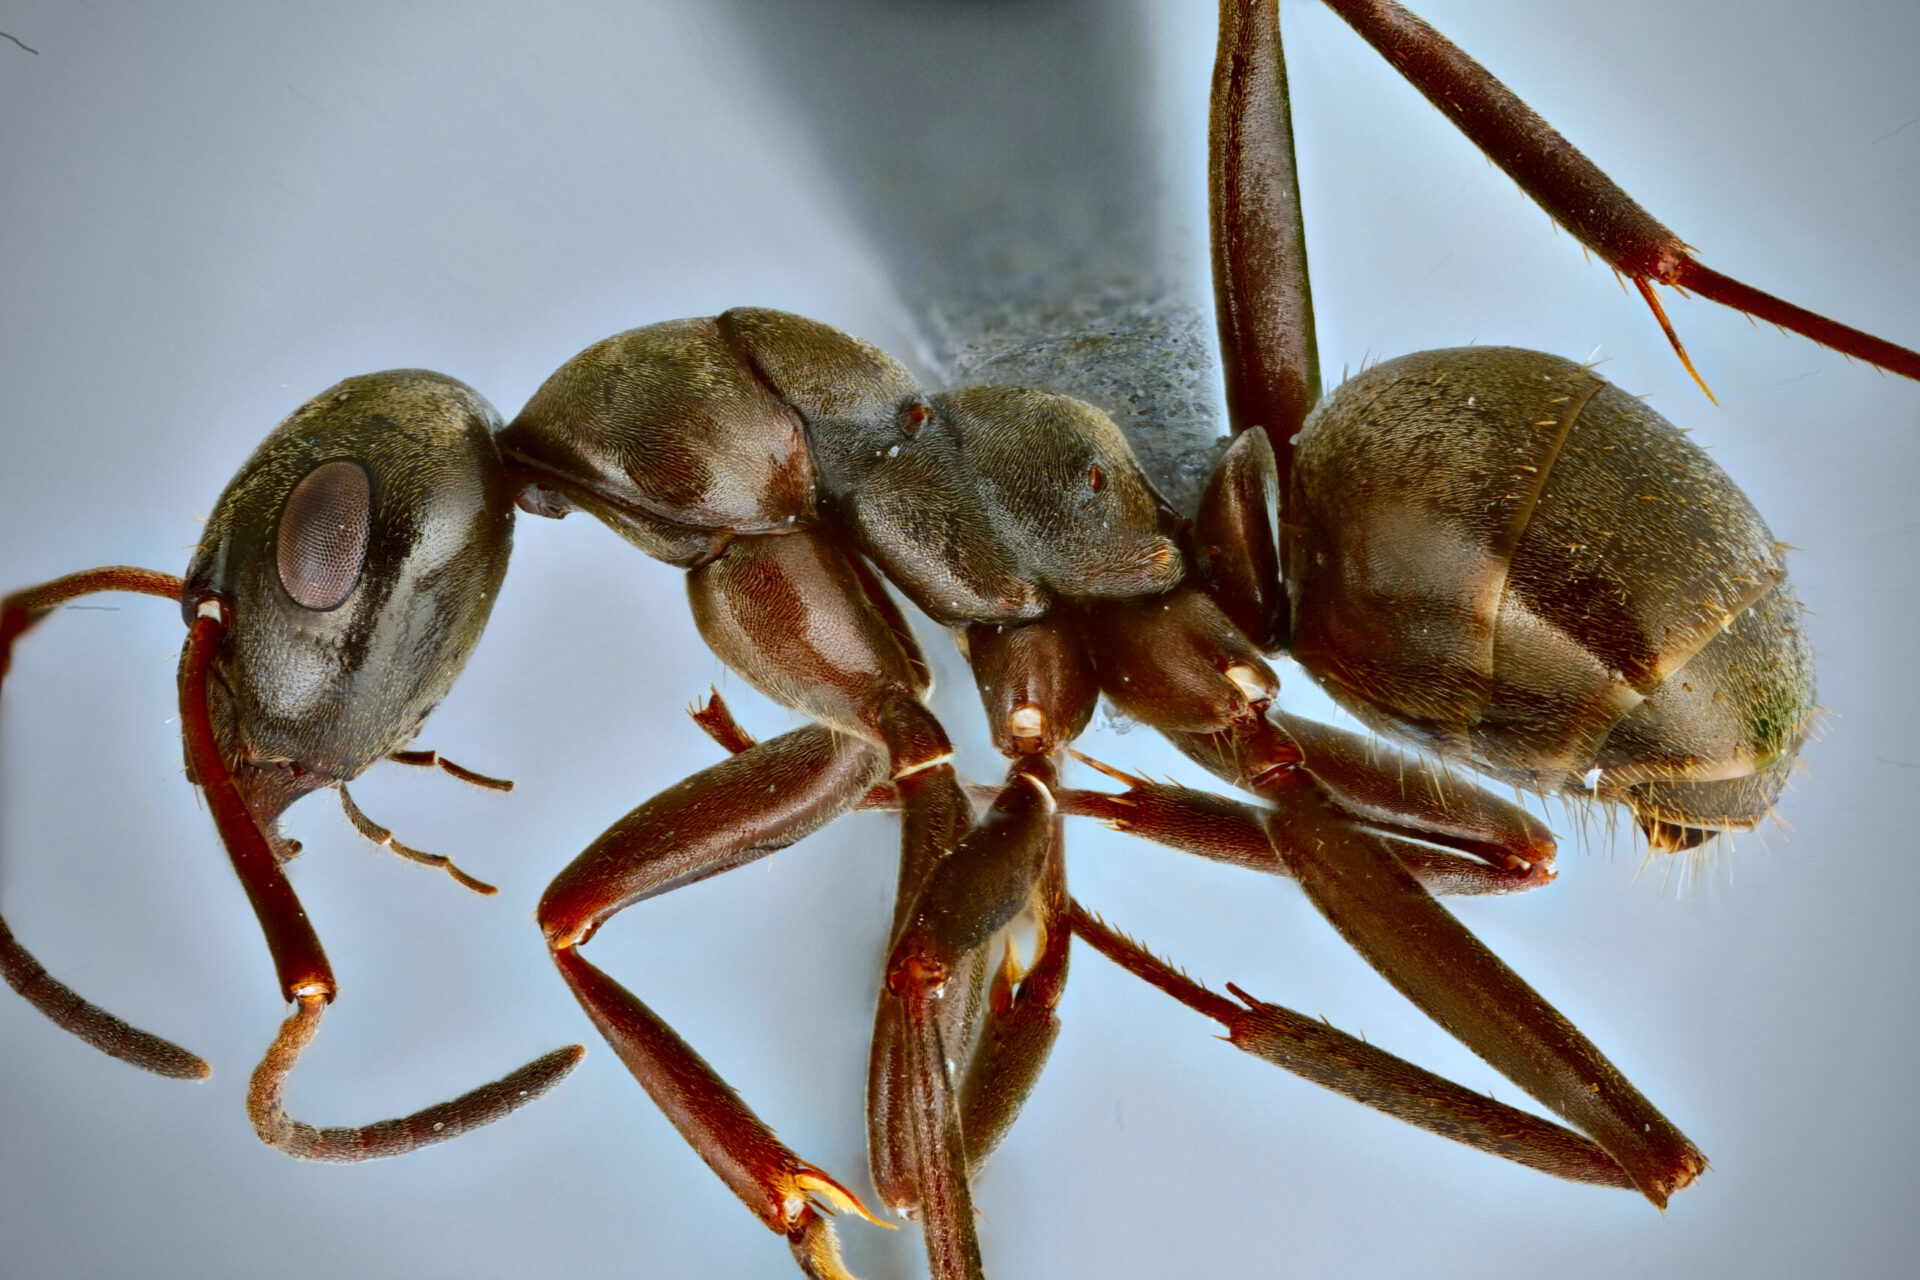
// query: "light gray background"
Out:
[210,212]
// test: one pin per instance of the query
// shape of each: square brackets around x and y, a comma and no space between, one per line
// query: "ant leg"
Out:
[1039,690]
[715,719]
[935,817]
[67,1008]
[1202,823]
[1232,832]
[744,807]
[1018,1028]
[1326,832]
[1352,876]
[305,976]
[1020,1025]
[1420,799]
[967,898]
[1573,190]
[1264,302]
[809,626]
[1350,1066]
[1174,662]
[734,812]
[1015,1030]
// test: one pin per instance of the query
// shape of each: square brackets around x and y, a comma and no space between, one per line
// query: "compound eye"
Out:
[324,529]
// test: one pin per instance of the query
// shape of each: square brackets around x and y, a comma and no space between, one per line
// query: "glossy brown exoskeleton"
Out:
[782,463]
[1617,620]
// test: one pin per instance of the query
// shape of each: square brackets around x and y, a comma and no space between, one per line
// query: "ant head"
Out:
[356,557]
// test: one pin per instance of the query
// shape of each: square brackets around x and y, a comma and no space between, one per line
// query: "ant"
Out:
[1770,507]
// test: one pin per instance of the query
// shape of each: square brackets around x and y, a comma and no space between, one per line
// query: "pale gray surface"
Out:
[207,215]
[1074,269]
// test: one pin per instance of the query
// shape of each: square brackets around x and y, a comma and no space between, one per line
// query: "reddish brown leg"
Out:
[66,1007]
[967,898]
[806,624]
[1263,300]
[945,1202]
[1352,1067]
[715,719]
[741,809]
[935,822]
[1421,798]
[935,818]
[746,806]
[1323,831]
[1352,876]
[1235,833]
[777,1185]
[1035,688]
[1020,1025]
[1212,826]
[1573,191]
[1038,688]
